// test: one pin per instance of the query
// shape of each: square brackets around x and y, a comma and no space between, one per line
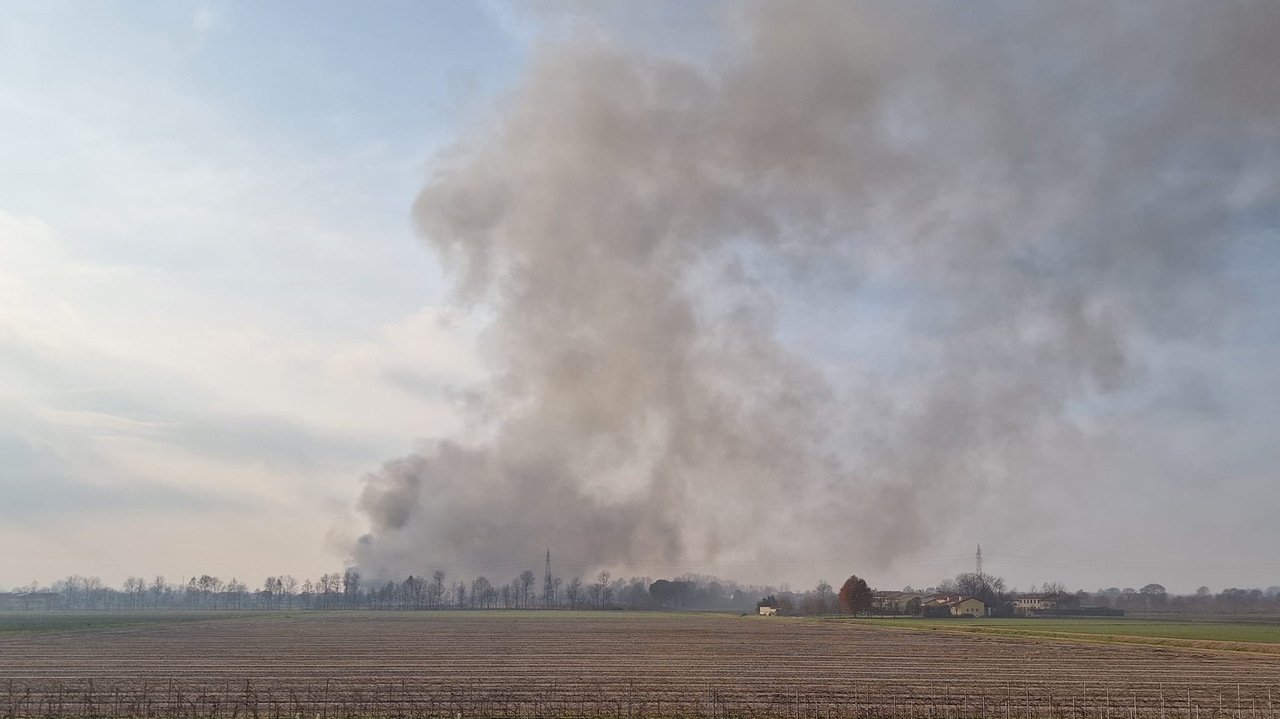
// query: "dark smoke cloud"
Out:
[1029,190]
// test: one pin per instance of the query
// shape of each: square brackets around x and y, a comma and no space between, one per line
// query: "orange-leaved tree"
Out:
[855,595]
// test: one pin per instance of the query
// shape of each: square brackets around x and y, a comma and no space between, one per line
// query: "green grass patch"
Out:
[1214,629]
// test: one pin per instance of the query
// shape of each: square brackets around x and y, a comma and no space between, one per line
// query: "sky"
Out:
[218,314]
[214,315]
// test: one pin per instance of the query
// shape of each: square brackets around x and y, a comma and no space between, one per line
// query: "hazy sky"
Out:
[213,314]
[216,315]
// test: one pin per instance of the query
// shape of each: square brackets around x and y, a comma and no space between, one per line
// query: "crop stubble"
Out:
[616,664]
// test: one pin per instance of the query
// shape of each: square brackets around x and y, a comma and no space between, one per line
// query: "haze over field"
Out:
[773,290]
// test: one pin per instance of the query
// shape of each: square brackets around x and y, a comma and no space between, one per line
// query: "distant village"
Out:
[978,594]
[940,605]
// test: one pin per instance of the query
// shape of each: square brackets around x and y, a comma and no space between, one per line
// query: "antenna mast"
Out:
[979,559]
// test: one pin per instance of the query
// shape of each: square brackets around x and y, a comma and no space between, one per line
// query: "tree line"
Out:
[348,590]
[1153,597]
[438,591]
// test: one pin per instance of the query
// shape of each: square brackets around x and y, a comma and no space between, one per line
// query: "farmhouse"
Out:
[893,602]
[768,611]
[1031,603]
[956,605]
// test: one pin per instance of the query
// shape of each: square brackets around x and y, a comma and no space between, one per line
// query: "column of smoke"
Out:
[1031,188]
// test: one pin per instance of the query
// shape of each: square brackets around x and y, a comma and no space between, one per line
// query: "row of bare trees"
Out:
[348,590]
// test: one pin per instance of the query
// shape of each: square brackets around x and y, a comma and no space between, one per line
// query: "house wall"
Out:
[1024,606]
[970,608]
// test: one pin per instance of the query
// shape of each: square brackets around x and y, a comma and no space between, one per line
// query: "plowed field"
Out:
[604,663]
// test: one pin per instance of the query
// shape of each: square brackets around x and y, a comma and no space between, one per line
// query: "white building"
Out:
[1034,603]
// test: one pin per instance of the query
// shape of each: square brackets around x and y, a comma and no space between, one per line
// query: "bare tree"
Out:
[526,587]
[825,595]
[411,590]
[134,589]
[208,588]
[436,590]
[157,590]
[268,590]
[480,589]
[335,590]
[289,588]
[351,588]
[604,591]
[92,591]
[69,587]
[988,588]
[573,592]
[322,590]
[811,604]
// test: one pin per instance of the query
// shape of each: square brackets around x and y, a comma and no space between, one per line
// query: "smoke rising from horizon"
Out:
[1010,208]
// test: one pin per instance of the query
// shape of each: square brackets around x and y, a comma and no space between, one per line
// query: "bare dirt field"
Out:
[595,664]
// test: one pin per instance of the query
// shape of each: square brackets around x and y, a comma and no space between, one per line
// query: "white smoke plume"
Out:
[1029,190]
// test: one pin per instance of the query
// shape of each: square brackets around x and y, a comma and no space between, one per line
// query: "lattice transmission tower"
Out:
[548,586]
